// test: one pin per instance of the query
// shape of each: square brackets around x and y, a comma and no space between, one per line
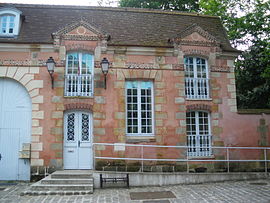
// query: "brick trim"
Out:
[78,106]
[197,107]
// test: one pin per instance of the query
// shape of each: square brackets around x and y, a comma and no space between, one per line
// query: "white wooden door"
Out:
[15,129]
[78,140]
[9,148]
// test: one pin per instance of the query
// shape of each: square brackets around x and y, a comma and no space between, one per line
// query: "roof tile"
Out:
[126,26]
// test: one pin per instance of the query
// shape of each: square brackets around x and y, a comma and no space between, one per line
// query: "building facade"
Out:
[170,82]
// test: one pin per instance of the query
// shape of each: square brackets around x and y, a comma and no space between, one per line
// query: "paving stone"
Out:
[234,191]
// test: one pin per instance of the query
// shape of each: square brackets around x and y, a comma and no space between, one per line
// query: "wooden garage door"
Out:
[15,129]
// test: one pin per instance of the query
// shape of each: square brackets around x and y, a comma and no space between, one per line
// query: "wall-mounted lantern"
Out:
[105,64]
[50,66]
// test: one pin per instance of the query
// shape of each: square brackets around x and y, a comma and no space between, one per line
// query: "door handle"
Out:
[0,156]
[79,143]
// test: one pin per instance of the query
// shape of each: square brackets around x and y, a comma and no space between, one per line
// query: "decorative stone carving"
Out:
[196,107]
[12,62]
[196,52]
[78,106]
[194,28]
[140,66]
[178,67]
[220,69]
[76,47]
[84,32]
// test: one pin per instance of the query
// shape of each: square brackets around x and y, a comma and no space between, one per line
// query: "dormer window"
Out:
[9,22]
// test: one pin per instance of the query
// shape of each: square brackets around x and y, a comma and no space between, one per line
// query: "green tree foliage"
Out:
[244,20]
[253,78]
[181,5]
[248,24]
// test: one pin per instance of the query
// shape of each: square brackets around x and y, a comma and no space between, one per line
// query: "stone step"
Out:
[56,192]
[62,187]
[66,181]
[71,176]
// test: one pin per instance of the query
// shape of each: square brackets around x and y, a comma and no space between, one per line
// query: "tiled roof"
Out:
[126,26]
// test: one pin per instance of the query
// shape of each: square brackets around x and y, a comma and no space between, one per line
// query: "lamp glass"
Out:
[105,65]
[50,65]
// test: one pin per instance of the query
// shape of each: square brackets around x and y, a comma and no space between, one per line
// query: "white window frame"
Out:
[194,86]
[10,12]
[79,76]
[140,134]
[203,141]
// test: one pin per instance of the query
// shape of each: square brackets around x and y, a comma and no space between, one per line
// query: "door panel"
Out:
[9,148]
[77,140]
[15,129]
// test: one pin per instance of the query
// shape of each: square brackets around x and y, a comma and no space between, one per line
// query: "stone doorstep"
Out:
[72,174]
[50,180]
[37,193]
[68,182]
[75,176]
[58,187]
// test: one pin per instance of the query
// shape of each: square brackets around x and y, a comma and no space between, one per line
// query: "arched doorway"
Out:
[15,129]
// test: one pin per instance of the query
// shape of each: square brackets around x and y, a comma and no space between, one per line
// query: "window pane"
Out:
[87,63]
[135,114]
[143,100]
[138,94]
[129,122]
[72,63]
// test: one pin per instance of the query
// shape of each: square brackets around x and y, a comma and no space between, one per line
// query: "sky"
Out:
[66,2]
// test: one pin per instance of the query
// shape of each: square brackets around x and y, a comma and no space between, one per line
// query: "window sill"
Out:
[79,97]
[200,157]
[138,139]
[8,35]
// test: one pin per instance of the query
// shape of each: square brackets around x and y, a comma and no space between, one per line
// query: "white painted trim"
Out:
[198,83]
[139,134]
[80,76]
[16,13]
